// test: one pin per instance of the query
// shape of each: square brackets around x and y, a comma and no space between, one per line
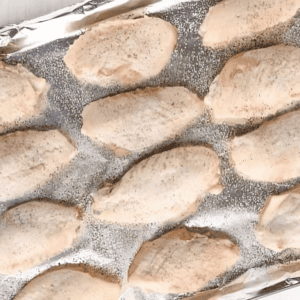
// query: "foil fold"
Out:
[69,22]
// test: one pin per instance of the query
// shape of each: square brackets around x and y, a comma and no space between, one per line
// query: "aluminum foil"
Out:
[41,44]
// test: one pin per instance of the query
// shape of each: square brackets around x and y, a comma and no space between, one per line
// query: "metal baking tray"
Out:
[40,46]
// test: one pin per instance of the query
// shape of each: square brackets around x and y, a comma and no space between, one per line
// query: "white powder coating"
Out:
[29,158]
[136,120]
[122,52]
[164,188]
[181,261]
[256,84]
[69,284]
[34,232]
[22,95]
[279,224]
[270,153]
[231,20]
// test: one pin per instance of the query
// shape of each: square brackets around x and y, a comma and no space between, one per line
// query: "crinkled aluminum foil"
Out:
[40,46]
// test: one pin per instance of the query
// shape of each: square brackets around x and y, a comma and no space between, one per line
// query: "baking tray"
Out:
[41,44]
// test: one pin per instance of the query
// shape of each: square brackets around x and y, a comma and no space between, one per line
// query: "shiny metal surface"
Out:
[41,44]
